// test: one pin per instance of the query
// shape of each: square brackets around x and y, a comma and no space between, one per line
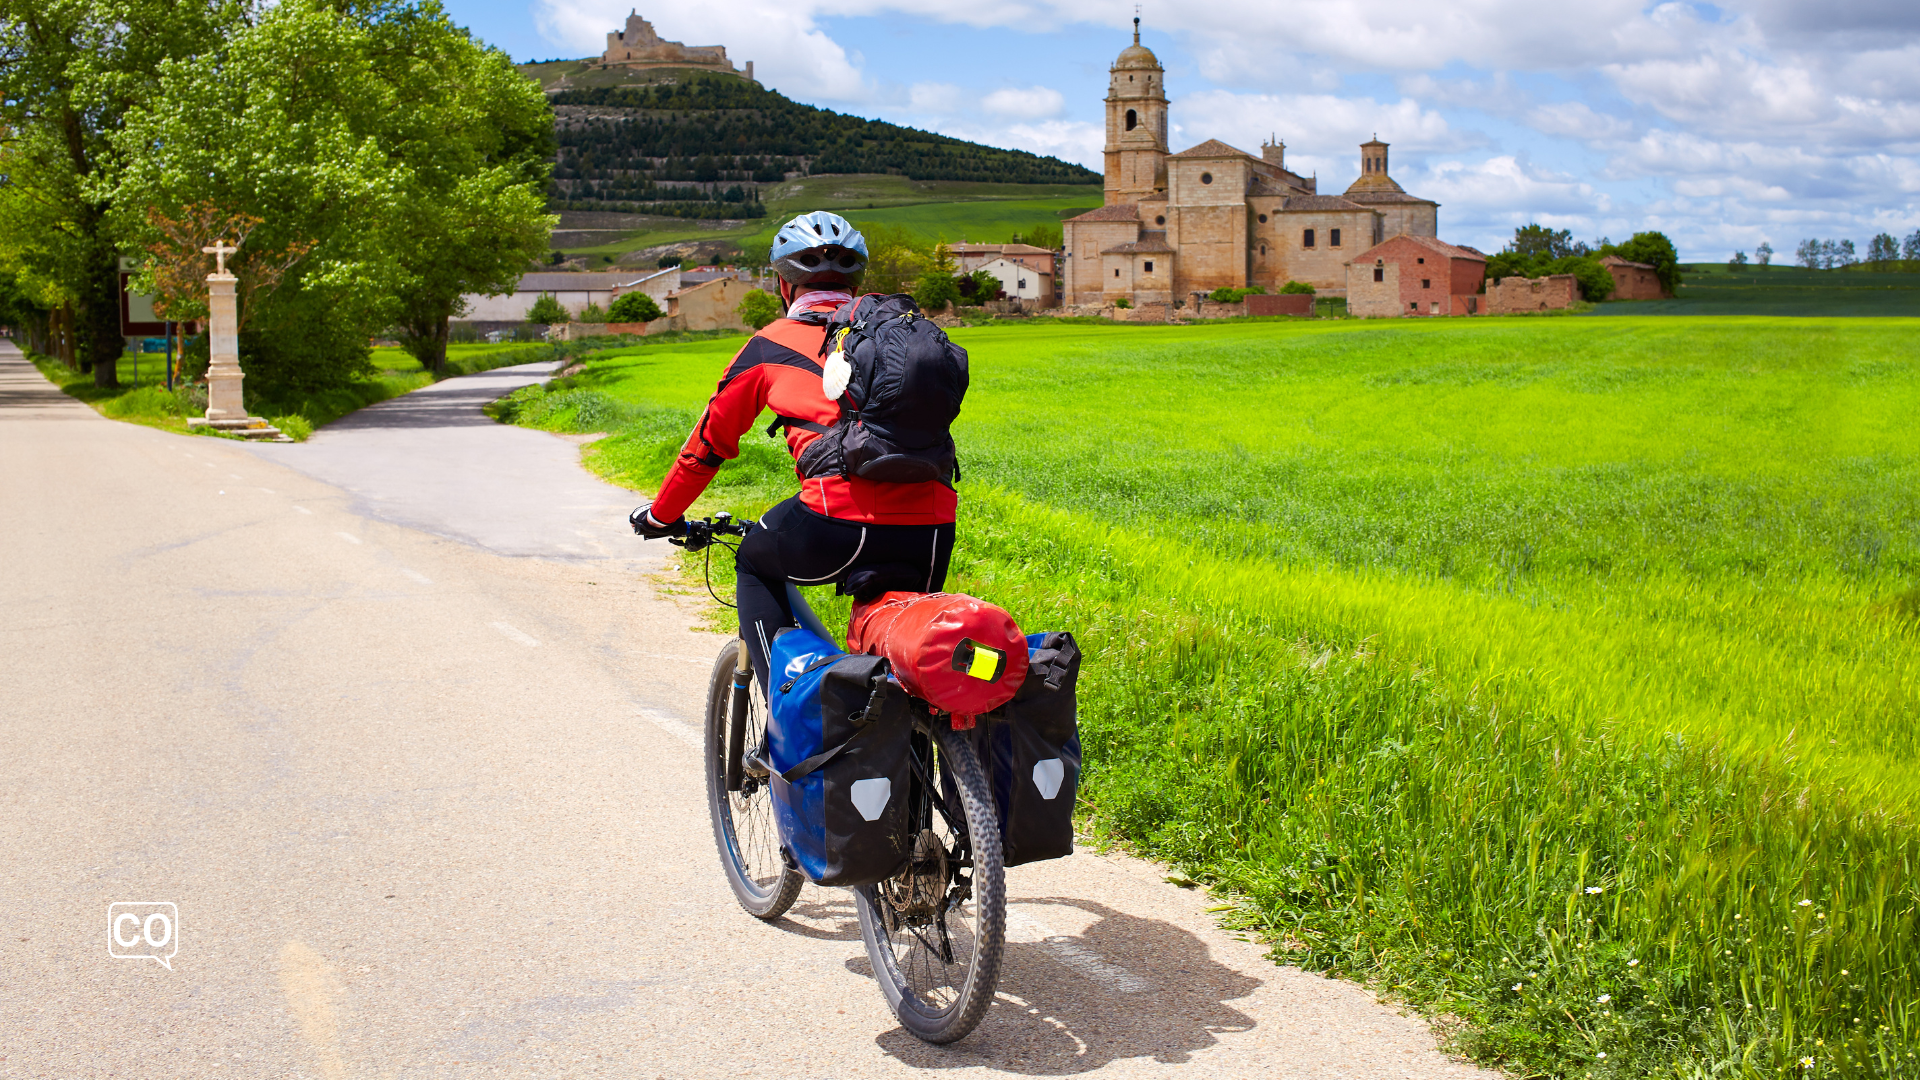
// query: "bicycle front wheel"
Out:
[743,825]
[934,932]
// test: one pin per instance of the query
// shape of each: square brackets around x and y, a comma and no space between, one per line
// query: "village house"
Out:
[971,257]
[574,291]
[1415,275]
[1020,281]
[1211,216]
[1518,295]
[1633,280]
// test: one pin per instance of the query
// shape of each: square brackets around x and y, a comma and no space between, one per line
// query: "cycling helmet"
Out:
[819,248]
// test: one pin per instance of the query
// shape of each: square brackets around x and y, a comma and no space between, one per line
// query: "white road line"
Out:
[670,656]
[417,576]
[1025,928]
[516,634]
[348,537]
[303,509]
[679,729]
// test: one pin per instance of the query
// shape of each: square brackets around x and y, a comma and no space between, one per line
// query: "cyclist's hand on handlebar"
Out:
[644,524]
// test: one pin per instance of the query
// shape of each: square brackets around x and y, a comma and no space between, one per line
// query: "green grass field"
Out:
[1713,289]
[1562,675]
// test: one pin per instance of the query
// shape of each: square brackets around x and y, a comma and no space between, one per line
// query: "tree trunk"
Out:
[424,335]
[100,307]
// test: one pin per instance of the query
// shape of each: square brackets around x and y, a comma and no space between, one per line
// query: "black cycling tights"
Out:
[798,545]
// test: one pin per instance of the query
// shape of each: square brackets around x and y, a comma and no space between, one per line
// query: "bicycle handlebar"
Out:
[703,531]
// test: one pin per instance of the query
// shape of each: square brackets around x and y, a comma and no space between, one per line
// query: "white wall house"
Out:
[1021,282]
[574,291]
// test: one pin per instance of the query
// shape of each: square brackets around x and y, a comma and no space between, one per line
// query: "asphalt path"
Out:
[400,723]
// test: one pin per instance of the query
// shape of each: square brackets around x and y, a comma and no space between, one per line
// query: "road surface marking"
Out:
[309,986]
[1024,927]
[303,509]
[348,537]
[516,634]
[679,729]
[417,576]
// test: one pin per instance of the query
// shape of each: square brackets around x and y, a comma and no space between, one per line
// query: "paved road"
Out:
[398,722]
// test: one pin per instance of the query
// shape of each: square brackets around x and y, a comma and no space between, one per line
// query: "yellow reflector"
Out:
[979,661]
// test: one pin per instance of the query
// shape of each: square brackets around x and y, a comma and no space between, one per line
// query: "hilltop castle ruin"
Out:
[639,47]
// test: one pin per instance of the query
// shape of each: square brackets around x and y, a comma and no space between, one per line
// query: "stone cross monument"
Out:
[223,339]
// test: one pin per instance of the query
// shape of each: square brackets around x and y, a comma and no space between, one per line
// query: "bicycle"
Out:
[935,931]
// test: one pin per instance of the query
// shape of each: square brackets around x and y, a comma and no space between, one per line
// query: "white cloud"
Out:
[1506,186]
[1574,119]
[1320,130]
[940,98]
[1069,140]
[1031,103]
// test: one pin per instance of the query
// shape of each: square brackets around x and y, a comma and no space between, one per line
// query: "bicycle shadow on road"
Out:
[1123,987]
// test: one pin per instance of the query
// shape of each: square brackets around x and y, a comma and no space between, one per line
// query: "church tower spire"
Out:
[1136,150]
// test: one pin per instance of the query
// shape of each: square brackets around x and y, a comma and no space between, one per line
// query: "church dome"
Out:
[1137,57]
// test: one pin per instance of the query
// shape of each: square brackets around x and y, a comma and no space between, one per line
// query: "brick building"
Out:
[1634,281]
[1518,295]
[1211,216]
[1415,275]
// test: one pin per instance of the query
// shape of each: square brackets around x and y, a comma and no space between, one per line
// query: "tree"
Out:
[1763,254]
[1654,249]
[633,307]
[1807,254]
[1739,260]
[1829,254]
[1883,249]
[1296,288]
[978,287]
[1844,255]
[546,311]
[934,291]
[1042,236]
[410,157]
[758,308]
[70,72]
[1538,240]
[1910,250]
[893,260]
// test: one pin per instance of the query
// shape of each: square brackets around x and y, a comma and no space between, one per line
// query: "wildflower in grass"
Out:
[1843,971]
[1633,963]
[1806,1063]
[1516,987]
[1603,1055]
[1603,999]
[1593,890]
[1806,903]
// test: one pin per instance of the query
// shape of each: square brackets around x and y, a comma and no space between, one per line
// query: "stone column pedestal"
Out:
[223,336]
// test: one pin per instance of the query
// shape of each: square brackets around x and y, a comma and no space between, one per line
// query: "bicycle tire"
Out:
[744,828]
[932,1000]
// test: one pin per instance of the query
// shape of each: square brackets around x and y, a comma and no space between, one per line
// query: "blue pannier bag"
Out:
[838,740]
[1030,748]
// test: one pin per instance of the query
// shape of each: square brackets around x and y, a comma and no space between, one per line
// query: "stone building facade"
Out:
[1410,276]
[1211,216]
[1633,281]
[639,47]
[1518,295]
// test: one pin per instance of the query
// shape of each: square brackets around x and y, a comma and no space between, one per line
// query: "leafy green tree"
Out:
[1910,248]
[758,308]
[978,287]
[1883,249]
[893,259]
[934,291]
[1296,288]
[1596,281]
[1044,236]
[1654,249]
[633,307]
[70,72]
[546,311]
[1542,242]
[1763,254]
[408,156]
[1739,260]
[592,313]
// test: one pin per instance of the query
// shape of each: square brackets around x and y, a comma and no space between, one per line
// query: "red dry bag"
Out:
[958,653]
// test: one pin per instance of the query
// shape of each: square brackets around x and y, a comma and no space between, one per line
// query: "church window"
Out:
[1160,219]
[1413,306]
[1421,261]
[1206,178]
[1133,119]
[1263,249]
[1116,272]
[1333,237]
[1306,238]
[1379,274]
[1426,283]
[1149,266]
[1263,219]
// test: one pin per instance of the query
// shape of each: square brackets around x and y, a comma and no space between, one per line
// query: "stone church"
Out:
[639,47]
[1177,224]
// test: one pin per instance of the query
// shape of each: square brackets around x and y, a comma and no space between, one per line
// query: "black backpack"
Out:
[901,398]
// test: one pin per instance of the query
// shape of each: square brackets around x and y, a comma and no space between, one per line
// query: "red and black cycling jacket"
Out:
[779,369]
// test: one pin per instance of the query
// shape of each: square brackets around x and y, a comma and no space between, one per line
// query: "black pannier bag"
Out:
[838,741]
[899,382]
[1030,748]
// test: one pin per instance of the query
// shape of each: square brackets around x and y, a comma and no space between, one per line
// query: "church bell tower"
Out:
[1136,150]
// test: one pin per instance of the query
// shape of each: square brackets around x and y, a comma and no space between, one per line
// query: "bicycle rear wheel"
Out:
[934,932]
[743,826]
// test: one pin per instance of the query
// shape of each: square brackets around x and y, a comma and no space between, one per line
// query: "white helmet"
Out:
[820,247]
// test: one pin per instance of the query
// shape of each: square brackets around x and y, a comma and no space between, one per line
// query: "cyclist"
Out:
[864,535]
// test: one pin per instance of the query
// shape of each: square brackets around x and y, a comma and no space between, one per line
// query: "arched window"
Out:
[1263,249]
[1133,119]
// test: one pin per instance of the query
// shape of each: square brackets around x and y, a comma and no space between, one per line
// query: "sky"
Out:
[1721,125]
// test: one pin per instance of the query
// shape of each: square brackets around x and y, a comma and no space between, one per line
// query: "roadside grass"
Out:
[1713,289]
[1559,674]
[143,398]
